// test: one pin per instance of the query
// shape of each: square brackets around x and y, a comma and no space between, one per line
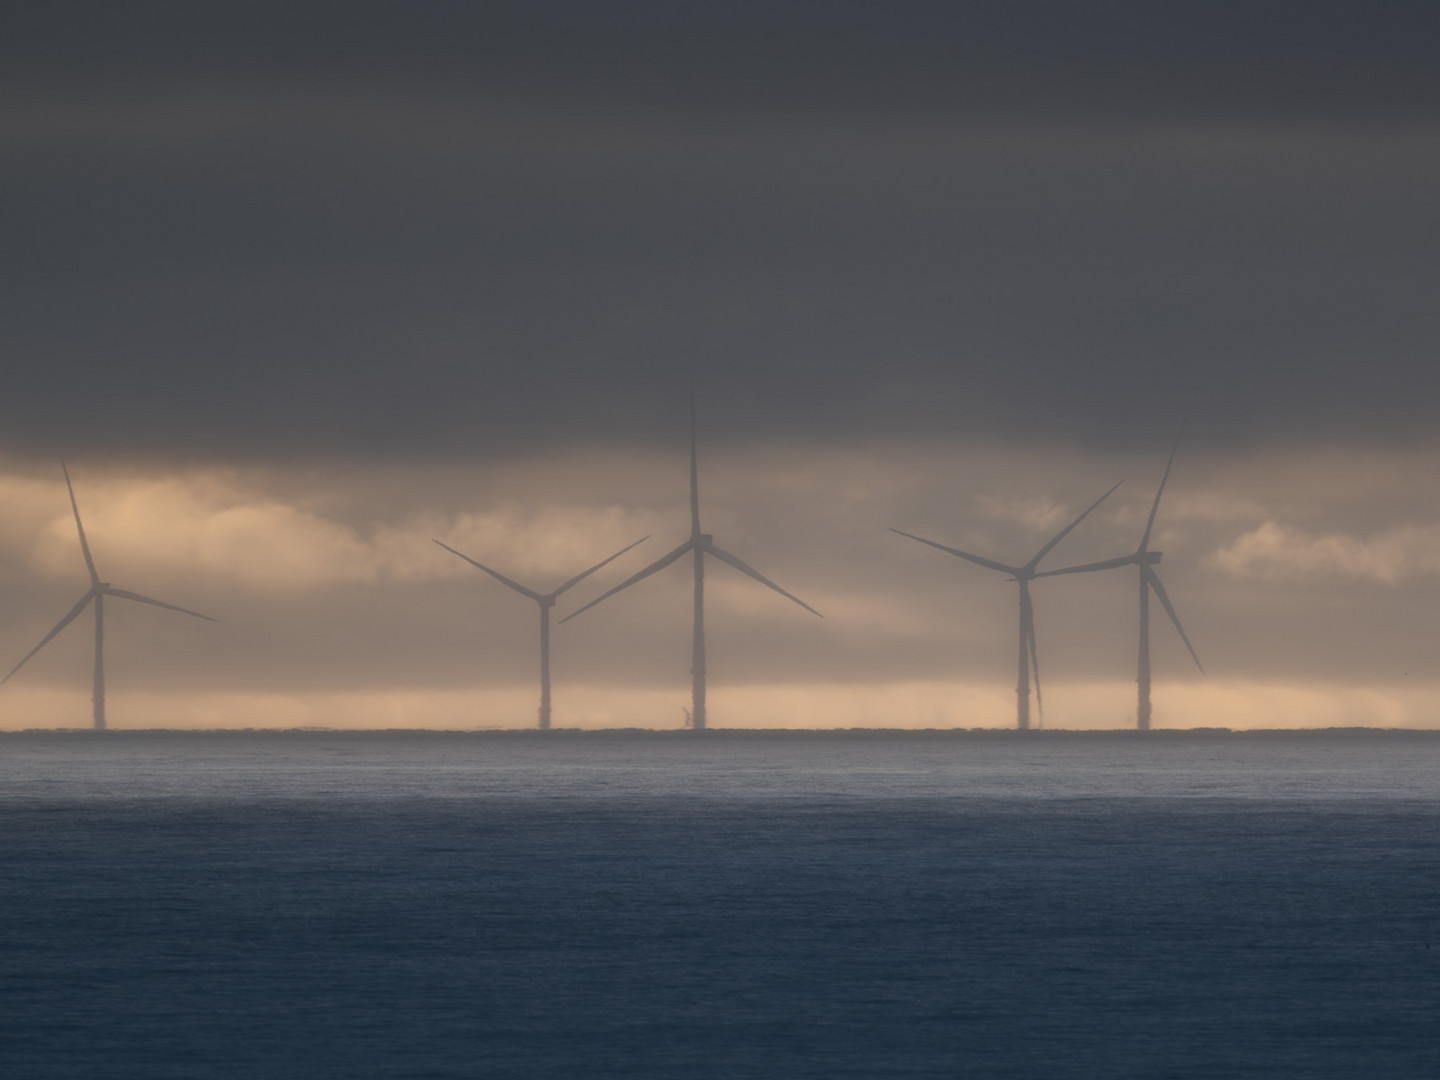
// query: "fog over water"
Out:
[760,766]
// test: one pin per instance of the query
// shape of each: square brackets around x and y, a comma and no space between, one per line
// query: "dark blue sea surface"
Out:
[730,905]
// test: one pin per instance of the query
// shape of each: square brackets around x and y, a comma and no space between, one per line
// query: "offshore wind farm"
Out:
[698,545]
[957,712]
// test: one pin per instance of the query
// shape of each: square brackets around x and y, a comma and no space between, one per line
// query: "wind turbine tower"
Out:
[699,545]
[546,602]
[1144,560]
[98,591]
[1029,659]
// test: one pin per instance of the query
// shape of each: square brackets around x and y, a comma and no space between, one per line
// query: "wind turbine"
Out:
[1028,658]
[546,602]
[700,544]
[1144,560]
[98,591]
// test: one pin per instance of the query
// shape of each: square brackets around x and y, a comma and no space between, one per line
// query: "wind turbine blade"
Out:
[1034,652]
[659,564]
[84,545]
[125,595]
[495,574]
[1155,506]
[694,470]
[66,621]
[1066,530]
[988,563]
[1154,580]
[726,557]
[582,576]
[1085,568]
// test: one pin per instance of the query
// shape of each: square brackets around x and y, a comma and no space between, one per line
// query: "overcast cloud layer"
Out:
[248,231]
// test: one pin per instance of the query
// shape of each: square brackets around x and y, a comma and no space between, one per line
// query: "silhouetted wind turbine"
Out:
[98,591]
[1145,561]
[546,602]
[701,544]
[1028,657]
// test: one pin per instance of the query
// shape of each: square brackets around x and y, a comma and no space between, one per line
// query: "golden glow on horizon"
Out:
[1235,704]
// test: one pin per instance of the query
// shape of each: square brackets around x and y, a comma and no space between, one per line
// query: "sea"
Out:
[723,904]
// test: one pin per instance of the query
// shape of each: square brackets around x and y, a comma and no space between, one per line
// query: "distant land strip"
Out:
[536,735]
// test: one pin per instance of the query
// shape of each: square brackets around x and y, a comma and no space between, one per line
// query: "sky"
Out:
[296,289]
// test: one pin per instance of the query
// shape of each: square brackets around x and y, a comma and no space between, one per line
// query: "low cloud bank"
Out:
[1281,552]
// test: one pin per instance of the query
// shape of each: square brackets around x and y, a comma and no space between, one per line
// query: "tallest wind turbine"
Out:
[700,544]
[1029,659]
[98,591]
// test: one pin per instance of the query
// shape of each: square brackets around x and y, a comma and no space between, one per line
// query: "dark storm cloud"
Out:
[459,228]
[1214,62]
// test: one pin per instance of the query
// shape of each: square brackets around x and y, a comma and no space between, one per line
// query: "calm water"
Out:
[280,906]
